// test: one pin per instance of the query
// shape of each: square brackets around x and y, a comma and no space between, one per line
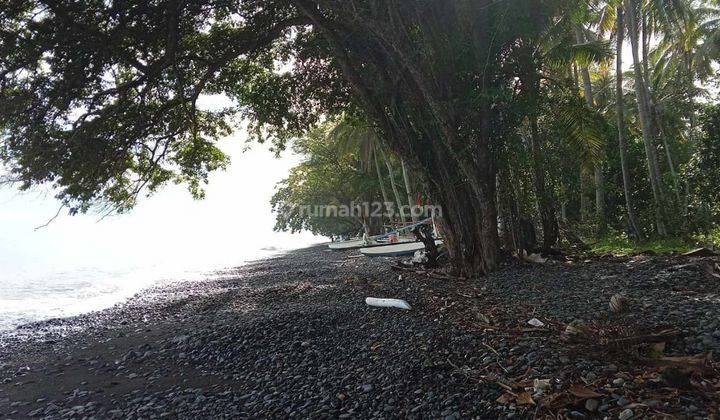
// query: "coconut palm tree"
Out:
[408,188]
[597,170]
[359,138]
[620,111]
[635,13]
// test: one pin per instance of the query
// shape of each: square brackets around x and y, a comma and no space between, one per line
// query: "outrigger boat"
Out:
[396,250]
[376,241]
[361,243]
[351,244]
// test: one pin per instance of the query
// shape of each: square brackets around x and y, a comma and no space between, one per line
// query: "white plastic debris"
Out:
[387,303]
[419,257]
[533,258]
[541,385]
[536,323]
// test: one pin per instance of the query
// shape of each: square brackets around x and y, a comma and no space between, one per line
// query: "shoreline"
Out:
[161,280]
[291,336]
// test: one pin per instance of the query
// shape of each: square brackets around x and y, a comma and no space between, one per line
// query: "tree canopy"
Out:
[503,109]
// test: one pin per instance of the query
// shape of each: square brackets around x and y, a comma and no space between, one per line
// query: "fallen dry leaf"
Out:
[581,391]
[524,398]
[657,349]
[556,401]
[505,398]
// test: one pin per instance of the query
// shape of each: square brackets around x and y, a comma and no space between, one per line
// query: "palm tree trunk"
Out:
[599,178]
[394,187]
[385,197]
[584,203]
[545,200]
[408,190]
[643,100]
[622,144]
[600,200]
[668,154]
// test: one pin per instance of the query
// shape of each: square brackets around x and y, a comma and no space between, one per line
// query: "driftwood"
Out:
[659,337]
[701,363]
[712,270]
[606,339]
[700,252]
[403,267]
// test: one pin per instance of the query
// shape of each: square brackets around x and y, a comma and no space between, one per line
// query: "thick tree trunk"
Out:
[408,189]
[622,144]
[643,100]
[469,218]
[598,173]
[420,125]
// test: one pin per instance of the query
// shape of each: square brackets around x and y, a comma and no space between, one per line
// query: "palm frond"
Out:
[583,54]
[584,128]
[607,19]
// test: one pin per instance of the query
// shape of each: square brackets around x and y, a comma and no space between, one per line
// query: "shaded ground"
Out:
[291,337]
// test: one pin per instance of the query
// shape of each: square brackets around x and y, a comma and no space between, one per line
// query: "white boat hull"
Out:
[355,244]
[395,250]
[358,243]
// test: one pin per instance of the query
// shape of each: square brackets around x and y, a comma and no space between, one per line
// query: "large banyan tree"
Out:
[99,98]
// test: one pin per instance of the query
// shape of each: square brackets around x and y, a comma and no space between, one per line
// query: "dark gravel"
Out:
[291,336]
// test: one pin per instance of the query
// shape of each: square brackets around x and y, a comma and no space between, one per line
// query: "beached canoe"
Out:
[342,246]
[395,250]
[356,243]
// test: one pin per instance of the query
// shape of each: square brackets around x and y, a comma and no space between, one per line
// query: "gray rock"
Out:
[626,414]
[35,413]
[592,405]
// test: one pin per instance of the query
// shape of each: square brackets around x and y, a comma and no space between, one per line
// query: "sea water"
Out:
[29,296]
[89,262]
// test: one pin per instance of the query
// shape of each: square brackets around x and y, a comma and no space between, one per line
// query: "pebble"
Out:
[592,405]
[626,414]
[267,342]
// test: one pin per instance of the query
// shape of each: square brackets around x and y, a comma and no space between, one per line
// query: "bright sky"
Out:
[230,224]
